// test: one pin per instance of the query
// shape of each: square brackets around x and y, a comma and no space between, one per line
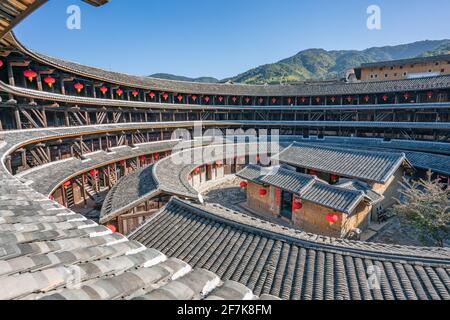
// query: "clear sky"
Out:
[222,38]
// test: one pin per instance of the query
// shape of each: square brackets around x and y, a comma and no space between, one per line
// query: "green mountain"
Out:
[168,76]
[320,64]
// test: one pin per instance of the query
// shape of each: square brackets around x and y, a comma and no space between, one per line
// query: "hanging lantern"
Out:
[430,94]
[152,95]
[385,98]
[274,100]
[318,99]
[219,163]
[112,228]
[208,98]
[297,204]
[406,96]
[332,218]
[303,99]
[289,100]
[50,81]
[334,177]
[261,100]
[165,96]
[197,170]
[243,184]
[221,99]
[67,184]
[194,98]
[78,86]
[119,92]
[143,158]
[247,100]
[51,198]
[30,74]
[262,192]
[234,99]
[103,89]
[123,163]
[135,93]
[333,99]
[93,173]
[313,172]
[349,99]
[156,156]
[1,63]
[180,98]
[366,98]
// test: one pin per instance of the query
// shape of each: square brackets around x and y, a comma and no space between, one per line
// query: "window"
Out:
[437,63]
[442,70]
[404,73]
[386,75]
[401,67]
[395,74]
[392,68]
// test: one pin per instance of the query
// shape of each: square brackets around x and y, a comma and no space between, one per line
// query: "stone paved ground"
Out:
[229,195]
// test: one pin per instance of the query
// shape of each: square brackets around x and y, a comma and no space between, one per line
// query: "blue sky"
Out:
[222,38]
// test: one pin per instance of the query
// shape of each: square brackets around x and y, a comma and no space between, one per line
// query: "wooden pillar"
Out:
[17,117]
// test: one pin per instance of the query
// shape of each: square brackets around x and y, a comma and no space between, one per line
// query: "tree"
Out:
[426,205]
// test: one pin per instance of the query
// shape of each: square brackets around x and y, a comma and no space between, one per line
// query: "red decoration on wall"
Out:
[103,89]
[208,98]
[243,184]
[334,177]
[297,204]
[312,172]
[165,96]
[332,218]
[262,192]
[112,228]
[119,92]
[135,93]
[78,86]
[221,99]
[30,74]
[234,99]
[180,98]
[152,95]
[194,98]
[50,81]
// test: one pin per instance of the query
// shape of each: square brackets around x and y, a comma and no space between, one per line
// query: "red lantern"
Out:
[51,198]
[67,184]
[165,96]
[234,99]
[334,177]
[93,173]
[333,99]
[50,81]
[313,172]
[135,93]
[152,95]
[332,218]
[385,98]
[156,156]
[349,99]
[119,92]
[247,100]
[221,99]
[208,98]
[274,100]
[262,192]
[194,98]
[30,74]
[112,228]
[261,100]
[197,170]
[318,99]
[103,89]
[289,100]
[366,98]
[303,99]
[78,86]
[243,184]
[430,95]
[406,96]
[180,98]
[143,158]
[1,63]
[123,163]
[297,205]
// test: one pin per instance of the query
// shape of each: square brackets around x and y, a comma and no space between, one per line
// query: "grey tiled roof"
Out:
[270,259]
[306,186]
[374,166]
[374,197]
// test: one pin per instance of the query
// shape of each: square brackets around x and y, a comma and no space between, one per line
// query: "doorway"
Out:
[286,205]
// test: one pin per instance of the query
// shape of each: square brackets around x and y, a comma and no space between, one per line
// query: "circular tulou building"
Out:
[107,179]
